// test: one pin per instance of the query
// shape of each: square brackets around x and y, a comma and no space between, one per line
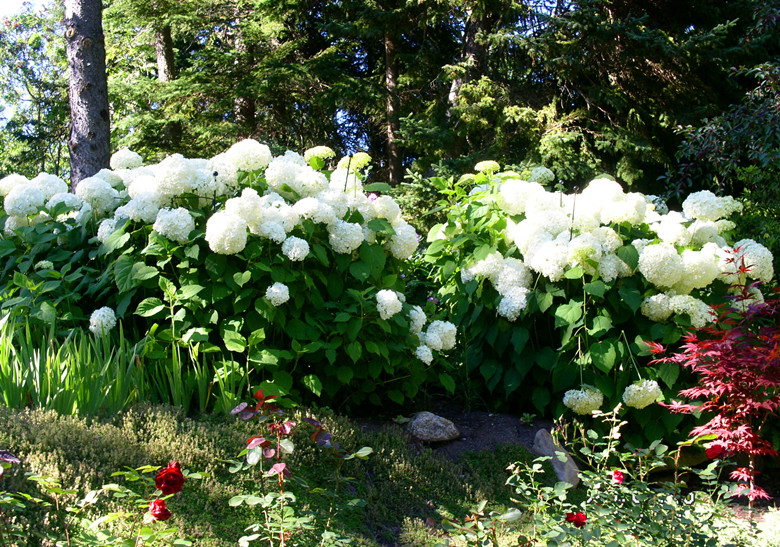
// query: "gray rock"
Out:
[430,428]
[565,468]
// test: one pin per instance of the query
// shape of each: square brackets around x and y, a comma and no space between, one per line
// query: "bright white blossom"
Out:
[49,185]
[424,354]
[125,158]
[226,233]
[99,194]
[44,265]
[106,228]
[701,313]
[11,181]
[249,155]
[642,393]
[24,201]
[661,265]
[345,237]
[513,301]
[388,303]
[583,401]
[14,222]
[705,205]
[295,248]
[445,332]
[277,294]
[657,307]
[404,242]
[417,320]
[175,224]
[102,320]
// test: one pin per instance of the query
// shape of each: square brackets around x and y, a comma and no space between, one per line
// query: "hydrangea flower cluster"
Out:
[388,303]
[583,401]
[102,320]
[277,294]
[642,393]
[555,233]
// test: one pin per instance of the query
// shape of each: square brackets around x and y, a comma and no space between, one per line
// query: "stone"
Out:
[565,467]
[430,428]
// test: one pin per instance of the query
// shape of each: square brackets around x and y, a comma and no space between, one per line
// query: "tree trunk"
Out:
[394,163]
[163,46]
[90,137]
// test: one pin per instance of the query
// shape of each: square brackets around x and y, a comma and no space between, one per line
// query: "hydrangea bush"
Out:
[556,292]
[263,267]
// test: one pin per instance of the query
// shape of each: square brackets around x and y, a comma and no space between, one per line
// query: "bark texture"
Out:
[394,160]
[90,137]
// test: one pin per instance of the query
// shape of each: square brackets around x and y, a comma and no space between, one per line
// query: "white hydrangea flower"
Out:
[513,301]
[432,340]
[277,294]
[388,303]
[24,201]
[99,194]
[701,313]
[612,266]
[175,224]
[417,320]
[175,176]
[102,320]
[513,273]
[106,228]
[758,260]
[112,178]
[345,237]
[124,158]
[514,195]
[424,354]
[583,401]
[582,250]
[345,181]
[672,229]
[445,331]
[295,248]
[705,205]
[49,185]
[661,265]
[249,155]
[549,259]
[404,241]
[386,207]
[44,265]
[657,307]
[542,175]
[226,233]
[700,268]
[491,267]
[14,222]
[142,208]
[487,166]
[322,152]
[10,182]
[642,393]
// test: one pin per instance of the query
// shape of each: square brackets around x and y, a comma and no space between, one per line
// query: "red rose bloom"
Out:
[158,510]
[578,519]
[170,480]
[714,452]
[617,476]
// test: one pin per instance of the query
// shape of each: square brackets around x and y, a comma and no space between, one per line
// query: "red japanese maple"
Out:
[737,361]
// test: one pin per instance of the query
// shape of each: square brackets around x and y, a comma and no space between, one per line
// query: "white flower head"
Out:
[99,194]
[277,294]
[661,265]
[424,354]
[226,233]
[175,224]
[642,393]
[388,303]
[344,236]
[583,401]
[445,332]
[125,158]
[49,185]
[102,320]
[249,155]
[24,200]
[322,152]
[417,320]
[487,166]
[295,248]
[11,181]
